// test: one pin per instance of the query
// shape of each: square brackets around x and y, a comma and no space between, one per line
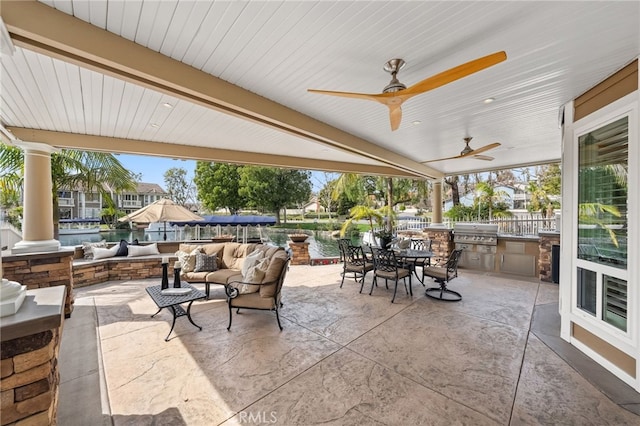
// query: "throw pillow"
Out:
[87,247]
[250,261]
[122,248]
[188,260]
[104,253]
[143,250]
[206,263]
[255,274]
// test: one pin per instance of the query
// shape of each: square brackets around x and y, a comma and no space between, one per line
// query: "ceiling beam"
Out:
[36,26]
[189,152]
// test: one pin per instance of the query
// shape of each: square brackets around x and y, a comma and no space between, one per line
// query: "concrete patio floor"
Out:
[343,358]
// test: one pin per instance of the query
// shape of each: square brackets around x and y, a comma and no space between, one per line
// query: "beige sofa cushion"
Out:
[224,276]
[254,300]
[273,272]
[234,254]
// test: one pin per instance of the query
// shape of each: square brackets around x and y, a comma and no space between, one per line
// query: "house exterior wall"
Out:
[614,348]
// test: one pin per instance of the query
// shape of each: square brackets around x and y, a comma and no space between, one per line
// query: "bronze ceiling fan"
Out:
[467,151]
[395,93]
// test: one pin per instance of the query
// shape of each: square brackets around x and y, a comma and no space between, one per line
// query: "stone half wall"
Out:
[119,269]
[42,270]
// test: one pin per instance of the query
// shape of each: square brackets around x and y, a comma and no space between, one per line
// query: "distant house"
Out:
[143,195]
[80,204]
[77,203]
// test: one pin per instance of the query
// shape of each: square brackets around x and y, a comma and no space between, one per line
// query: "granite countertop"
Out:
[42,309]
[519,237]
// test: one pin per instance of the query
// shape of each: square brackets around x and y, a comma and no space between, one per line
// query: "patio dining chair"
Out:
[442,275]
[386,266]
[421,262]
[355,262]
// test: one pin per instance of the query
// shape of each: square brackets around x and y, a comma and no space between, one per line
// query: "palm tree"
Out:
[71,169]
[487,194]
[361,213]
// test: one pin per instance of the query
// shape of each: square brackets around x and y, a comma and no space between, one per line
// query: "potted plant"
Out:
[384,237]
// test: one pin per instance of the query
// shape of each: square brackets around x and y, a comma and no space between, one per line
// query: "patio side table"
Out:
[174,302]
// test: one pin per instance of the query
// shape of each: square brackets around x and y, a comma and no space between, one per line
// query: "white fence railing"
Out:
[506,226]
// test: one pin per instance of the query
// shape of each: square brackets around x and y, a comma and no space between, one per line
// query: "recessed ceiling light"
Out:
[416,122]
[489,100]
[154,125]
[167,105]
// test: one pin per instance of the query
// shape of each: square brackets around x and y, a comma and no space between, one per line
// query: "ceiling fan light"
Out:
[466,150]
[394,86]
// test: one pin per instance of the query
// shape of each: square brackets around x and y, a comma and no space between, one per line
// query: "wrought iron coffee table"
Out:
[174,301]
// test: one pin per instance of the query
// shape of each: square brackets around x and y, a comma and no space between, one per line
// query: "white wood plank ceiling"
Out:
[556,51]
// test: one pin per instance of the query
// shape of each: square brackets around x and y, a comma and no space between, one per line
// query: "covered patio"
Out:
[228,82]
[343,358]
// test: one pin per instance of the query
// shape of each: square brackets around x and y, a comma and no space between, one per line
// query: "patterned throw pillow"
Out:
[188,260]
[206,263]
[87,248]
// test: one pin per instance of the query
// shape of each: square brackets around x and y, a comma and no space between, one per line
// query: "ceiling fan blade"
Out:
[475,153]
[345,94]
[395,115]
[483,149]
[453,74]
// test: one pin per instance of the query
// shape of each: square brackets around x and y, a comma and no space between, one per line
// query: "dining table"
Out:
[409,258]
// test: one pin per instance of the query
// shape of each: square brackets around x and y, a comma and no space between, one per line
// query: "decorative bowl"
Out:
[298,238]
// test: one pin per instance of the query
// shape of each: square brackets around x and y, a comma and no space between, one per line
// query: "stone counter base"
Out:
[30,379]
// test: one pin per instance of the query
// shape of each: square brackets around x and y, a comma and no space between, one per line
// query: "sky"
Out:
[153,168]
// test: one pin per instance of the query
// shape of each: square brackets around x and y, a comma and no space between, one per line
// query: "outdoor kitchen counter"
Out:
[518,255]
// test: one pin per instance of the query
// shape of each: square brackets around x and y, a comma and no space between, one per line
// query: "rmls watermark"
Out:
[259,417]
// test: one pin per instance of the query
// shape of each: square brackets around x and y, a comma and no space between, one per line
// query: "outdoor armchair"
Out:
[442,275]
[268,295]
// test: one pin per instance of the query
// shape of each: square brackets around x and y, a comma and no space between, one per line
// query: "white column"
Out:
[37,223]
[436,203]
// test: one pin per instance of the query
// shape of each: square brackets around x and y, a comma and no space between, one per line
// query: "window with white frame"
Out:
[602,222]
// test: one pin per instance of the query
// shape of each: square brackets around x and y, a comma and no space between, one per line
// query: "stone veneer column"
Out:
[547,240]
[441,242]
[37,225]
[301,254]
[436,203]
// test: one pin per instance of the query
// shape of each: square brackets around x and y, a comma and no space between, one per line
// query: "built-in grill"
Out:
[479,242]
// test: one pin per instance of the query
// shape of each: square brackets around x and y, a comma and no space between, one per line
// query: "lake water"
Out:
[321,243]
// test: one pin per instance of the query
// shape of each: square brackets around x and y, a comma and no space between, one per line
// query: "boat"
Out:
[161,227]
[78,226]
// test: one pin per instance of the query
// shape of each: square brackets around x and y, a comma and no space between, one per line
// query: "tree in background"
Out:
[71,169]
[453,181]
[10,184]
[218,186]
[181,191]
[492,199]
[545,190]
[324,195]
[274,189]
